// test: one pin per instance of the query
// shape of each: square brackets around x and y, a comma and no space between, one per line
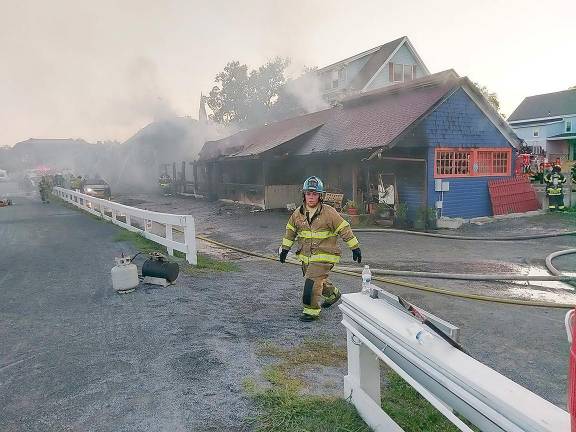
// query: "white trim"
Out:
[418,58]
[351,59]
[419,62]
[511,122]
[573,136]
[513,126]
[507,131]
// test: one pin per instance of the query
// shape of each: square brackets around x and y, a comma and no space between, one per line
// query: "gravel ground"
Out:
[76,356]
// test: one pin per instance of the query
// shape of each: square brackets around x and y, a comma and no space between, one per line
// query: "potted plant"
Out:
[420,221]
[351,208]
[432,218]
[401,216]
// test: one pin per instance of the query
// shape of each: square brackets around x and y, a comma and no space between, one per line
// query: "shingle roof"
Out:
[374,63]
[545,105]
[377,118]
[259,140]
[366,121]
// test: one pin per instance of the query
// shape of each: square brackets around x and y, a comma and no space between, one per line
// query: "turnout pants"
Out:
[316,286]
[556,202]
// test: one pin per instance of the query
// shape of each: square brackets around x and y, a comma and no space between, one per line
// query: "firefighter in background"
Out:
[316,227]
[573,175]
[45,188]
[165,183]
[554,182]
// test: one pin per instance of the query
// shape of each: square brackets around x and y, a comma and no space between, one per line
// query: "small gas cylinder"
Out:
[124,275]
[157,266]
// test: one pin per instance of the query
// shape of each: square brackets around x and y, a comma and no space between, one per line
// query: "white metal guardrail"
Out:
[151,222]
[452,381]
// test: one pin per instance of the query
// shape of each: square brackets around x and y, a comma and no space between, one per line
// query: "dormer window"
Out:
[536,132]
[398,72]
[568,126]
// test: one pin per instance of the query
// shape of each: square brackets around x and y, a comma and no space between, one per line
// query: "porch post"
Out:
[355,184]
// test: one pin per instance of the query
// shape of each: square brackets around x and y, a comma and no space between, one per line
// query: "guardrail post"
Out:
[190,240]
[169,237]
[363,368]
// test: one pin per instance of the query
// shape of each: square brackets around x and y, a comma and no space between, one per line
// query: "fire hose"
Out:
[455,237]
[405,284]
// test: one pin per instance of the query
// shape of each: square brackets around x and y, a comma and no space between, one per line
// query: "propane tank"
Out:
[157,267]
[124,275]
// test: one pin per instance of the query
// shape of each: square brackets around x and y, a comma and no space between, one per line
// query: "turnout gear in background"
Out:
[165,183]
[554,183]
[45,188]
[318,251]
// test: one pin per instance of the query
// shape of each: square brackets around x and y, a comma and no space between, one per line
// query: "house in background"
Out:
[436,137]
[394,62]
[547,123]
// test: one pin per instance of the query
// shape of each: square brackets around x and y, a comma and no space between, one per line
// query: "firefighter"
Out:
[554,182]
[573,174]
[316,227]
[45,188]
[165,183]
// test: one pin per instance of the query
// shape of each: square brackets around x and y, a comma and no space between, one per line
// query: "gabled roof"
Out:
[369,121]
[378,57]
[545,105]
[375,63]
[375,119]
[255,141]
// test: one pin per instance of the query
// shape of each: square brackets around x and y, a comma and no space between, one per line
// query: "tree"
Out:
[229,98]
[491,97]
[243,97]
[572,88]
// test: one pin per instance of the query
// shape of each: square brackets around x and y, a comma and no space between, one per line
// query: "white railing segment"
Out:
[153,222]
[452,381]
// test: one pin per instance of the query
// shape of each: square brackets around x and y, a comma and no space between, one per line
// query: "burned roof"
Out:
[545,105]
[255,141]
[367,121]
[375,119]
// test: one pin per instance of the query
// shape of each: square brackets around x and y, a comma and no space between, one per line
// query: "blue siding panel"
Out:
[410,191]
[459,123]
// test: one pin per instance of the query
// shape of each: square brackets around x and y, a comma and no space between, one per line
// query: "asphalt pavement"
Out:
[77,356]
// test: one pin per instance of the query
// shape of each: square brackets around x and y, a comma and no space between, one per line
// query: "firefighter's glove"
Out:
[357,255]
[283,255]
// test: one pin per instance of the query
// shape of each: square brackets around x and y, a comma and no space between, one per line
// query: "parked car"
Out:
[97,188]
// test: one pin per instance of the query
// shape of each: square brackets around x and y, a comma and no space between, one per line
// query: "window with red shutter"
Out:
[452,162]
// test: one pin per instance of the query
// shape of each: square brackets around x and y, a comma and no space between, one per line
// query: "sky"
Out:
[101,70]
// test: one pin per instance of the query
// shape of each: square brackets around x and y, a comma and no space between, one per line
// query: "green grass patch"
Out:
[410,410]
[285,405]
[205,263]
[141,243]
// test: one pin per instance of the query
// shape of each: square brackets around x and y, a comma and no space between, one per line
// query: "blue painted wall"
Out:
[459,123]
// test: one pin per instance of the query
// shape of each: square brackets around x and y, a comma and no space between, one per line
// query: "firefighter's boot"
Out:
[310,296]
[329,300]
